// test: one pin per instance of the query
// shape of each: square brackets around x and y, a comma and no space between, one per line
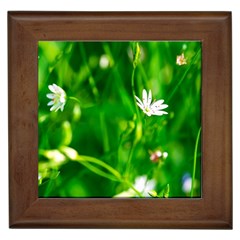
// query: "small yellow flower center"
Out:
[147,109]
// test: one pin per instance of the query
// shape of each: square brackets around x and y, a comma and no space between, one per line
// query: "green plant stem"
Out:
[137,127]
[98,171]
[134,94]
[195,161]
[106,146]
[74,99]
[132,82]
[98,162]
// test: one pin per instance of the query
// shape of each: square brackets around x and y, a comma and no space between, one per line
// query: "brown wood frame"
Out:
[213,210]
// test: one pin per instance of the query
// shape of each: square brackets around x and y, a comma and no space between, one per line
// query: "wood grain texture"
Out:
[213,210]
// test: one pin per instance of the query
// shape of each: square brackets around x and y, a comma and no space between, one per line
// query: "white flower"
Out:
[181,60]
[165,155]
[104,61]
[151,109]
[158,155]
[143,185]
[186,183]
[155,156]
[58,98]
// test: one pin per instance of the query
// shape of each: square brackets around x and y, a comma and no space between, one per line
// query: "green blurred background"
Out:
[101,147]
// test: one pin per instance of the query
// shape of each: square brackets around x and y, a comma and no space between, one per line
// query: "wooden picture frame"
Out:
[213,210]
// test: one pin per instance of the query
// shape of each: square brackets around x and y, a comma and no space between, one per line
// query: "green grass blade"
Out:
[98,171]
[195,160]
[114,172]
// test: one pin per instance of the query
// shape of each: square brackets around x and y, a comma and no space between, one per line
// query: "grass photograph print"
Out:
[119,119]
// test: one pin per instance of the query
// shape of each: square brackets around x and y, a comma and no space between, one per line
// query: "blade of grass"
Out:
[114,172]
[106,145]
[98,171]
[75,99]
[195,160]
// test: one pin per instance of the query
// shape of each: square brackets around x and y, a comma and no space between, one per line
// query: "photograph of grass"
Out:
[119,119]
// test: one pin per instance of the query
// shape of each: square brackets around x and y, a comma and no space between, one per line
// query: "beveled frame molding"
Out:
[213,210]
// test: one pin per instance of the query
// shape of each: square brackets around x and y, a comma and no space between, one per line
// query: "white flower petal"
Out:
[50,95]
[53,108]
[143,185]
[144,97]
[159,153]
[149,98]
[50,103]
[159,113]
[157,104]
[139,100]
[62,99]
[56,87]
[159,107]
[51,88]
[59,107]
[140,105]
[163,106]
[60,91]
[165,155]
[62,107]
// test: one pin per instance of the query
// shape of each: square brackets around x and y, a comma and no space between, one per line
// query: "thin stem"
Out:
[133,144]
[106,146]
[137,124]
[74,99]
[195,160]
[99,171]
[98,162]
[132,82]
[138,121]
